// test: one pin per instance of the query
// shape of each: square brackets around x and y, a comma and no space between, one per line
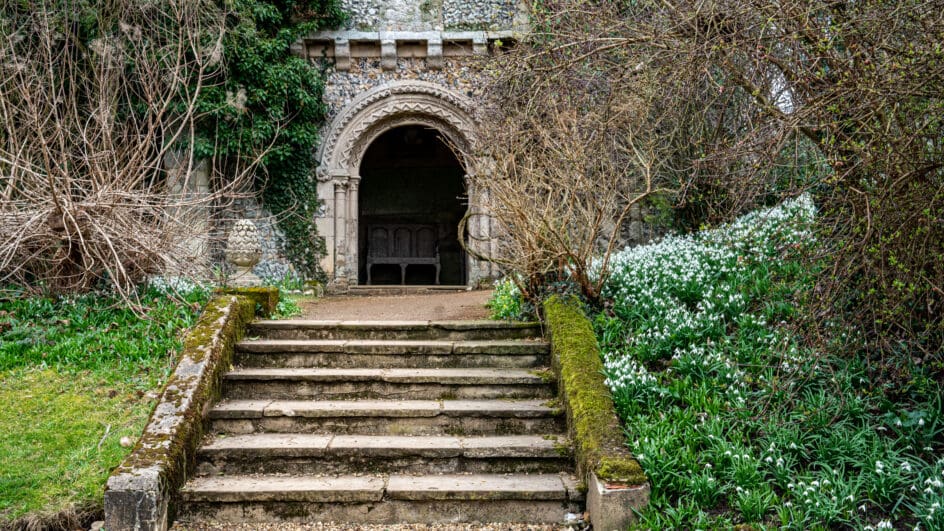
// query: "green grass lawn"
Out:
[77,375]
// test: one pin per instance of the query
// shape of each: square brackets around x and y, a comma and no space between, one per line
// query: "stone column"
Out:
[353,229]
[340,235]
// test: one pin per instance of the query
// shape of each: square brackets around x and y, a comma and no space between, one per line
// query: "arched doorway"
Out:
[412,197]
[434,112]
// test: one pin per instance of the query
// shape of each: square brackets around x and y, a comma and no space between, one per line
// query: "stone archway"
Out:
[346,140]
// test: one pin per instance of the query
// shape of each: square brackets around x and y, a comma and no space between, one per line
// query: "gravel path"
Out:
[354,527]
[461,305]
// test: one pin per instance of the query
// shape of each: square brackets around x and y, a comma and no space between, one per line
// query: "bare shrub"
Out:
[844,99]
[570,155]
[97,177]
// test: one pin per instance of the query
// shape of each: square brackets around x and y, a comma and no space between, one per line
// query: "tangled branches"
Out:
[98,184]
[754,101]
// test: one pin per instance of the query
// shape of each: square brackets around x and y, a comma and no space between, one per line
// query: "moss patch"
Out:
[591,416]
[266,298]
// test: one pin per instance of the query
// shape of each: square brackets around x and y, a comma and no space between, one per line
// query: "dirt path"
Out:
[462,305]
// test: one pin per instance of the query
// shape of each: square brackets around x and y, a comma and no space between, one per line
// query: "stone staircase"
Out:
[386,422]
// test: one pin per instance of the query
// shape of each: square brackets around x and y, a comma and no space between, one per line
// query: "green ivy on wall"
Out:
[270,100]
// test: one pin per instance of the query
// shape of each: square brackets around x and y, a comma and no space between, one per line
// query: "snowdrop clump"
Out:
[686,288]
[175,286]
[735,418]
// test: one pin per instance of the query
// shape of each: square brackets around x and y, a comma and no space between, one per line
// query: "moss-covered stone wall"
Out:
[140,492]
[591,416]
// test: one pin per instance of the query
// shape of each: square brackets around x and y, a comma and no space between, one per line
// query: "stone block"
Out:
[135,501]
[611,506]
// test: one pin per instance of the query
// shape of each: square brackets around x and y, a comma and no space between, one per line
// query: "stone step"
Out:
[423,330]
[296,453]
[335,384]
[539,498]
[349,353]
[387,417]
[378,290]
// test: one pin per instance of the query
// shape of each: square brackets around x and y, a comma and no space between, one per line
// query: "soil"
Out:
[357,527]
[453,306]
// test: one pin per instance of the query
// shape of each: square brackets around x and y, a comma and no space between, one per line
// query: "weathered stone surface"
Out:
[347,360]
[611,506]
[271,444]
[348,408]
[396,330]
[476,487]
[501,347]
[138,492]
[387,512]
[392,446]
[277,457]
[523,446]
[498,408]
[285,489]
[457,376]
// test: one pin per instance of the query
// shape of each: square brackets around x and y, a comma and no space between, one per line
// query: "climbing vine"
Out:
[271,101]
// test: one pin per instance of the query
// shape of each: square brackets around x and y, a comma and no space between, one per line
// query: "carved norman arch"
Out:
[347,139]
[392,105]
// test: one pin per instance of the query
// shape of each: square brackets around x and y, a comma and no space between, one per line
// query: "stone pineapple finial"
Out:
[243,250]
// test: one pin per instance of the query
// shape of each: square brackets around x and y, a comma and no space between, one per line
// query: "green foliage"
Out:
[287,307]
[271,101]
[507,303]
[95,331]
[83,372]
[732,416]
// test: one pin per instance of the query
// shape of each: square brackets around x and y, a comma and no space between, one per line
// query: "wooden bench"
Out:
[403,245]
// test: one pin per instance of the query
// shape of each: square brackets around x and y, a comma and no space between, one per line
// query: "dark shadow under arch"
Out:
[412,197]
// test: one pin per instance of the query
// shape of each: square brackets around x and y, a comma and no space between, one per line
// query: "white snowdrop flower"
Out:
[862,508]
[921,422]
[793,446]
[884,524]
[906,466]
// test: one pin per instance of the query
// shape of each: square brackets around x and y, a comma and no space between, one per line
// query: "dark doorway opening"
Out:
[412,198]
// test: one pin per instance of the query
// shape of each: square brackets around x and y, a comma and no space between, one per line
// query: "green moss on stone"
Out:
[620,468]
[591,415]
[211,340]
[267,298]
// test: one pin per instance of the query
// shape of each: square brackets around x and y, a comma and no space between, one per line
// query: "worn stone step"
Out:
[424,330]
[350,353]
[390,417]
[297,453]
[538,498]
[401,383]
